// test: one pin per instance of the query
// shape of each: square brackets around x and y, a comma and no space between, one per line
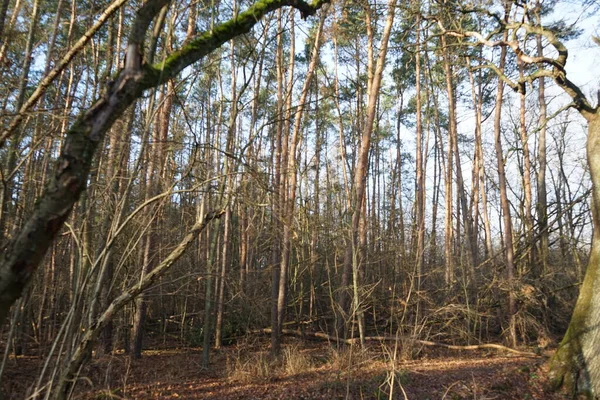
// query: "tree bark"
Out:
[360,173]
[575,367]
[527,195]
[291,178]
[542,201]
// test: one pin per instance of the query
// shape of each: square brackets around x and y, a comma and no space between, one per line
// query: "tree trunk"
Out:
[542,201]
[360,172]
[291,178]
[527,192]
[453,139]
[504,202]
[156,155]
[24,253]
[223,273]
[279,193]
[420,168]
[9,184]
[575,366]
[479,164]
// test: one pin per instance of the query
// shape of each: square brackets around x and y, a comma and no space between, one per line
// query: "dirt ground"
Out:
[309,371]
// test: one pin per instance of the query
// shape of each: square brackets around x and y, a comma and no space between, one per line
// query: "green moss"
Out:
[211,40]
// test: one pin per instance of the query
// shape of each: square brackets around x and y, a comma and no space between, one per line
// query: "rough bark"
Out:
[542,201]
[575,367]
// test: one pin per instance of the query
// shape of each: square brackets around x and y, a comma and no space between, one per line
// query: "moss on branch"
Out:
[209,41]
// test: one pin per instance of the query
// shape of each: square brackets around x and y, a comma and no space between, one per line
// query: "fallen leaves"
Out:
[317,372]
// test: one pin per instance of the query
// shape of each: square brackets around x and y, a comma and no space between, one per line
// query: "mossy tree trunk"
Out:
[575,366]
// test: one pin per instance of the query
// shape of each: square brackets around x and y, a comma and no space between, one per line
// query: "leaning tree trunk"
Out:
[23,254]
[575,366]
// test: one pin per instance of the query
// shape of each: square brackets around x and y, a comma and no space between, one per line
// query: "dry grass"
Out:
[350,358]
[250,368]
[295,361]
[258,366]
[247,372]
[249,363]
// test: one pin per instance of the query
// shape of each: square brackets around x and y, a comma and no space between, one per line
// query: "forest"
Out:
[284,199]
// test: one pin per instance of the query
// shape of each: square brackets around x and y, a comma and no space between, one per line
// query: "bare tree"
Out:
[29,245]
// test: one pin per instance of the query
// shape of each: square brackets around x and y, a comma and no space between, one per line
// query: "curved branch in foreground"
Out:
[25,251]
[558,74]
[86,343]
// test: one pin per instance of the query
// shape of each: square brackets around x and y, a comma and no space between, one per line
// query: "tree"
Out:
[289,187]
[283,141]
[25,251]
[575,366]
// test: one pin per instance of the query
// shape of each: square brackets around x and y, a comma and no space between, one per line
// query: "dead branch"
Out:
[429,343]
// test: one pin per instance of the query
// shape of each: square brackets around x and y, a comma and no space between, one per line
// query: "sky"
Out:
[584,53]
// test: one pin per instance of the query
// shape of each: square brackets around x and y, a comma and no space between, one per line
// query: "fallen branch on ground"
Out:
[324,336]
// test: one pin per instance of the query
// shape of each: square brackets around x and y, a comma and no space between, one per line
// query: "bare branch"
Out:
[127,296]
[558,73]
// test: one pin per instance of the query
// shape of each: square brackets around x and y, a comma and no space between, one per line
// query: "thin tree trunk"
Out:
[360,172]
[291,186]
[542,202]
[453,141]
[66,381]
[504,203]
[11,163]
[478,168]
[154,171]
[278,194]
[527,203]
[420,169]
[223,274]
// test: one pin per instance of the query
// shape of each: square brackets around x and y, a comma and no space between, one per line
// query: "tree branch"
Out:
[145,15]
[56,71]
[211,40]
[117,304]
[25,250]
[350,341]
[558,73]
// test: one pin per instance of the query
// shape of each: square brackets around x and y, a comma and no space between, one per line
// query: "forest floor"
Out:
[308,370]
